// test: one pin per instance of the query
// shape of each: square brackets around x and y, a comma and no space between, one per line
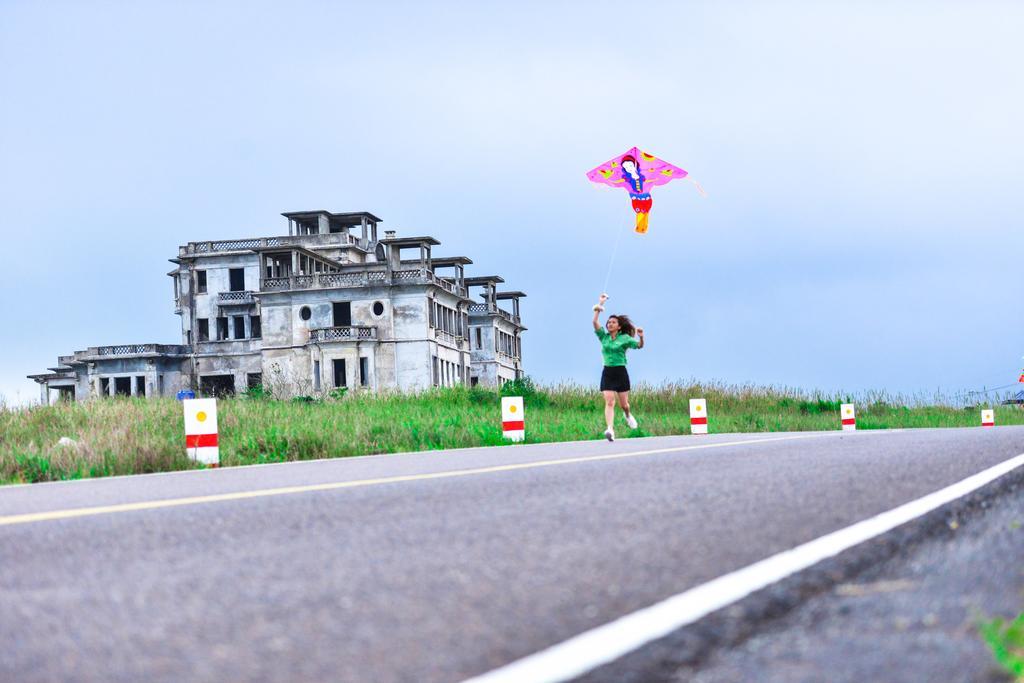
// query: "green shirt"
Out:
[614,350]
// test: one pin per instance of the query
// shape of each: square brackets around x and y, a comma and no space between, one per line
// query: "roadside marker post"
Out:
[988,418]
[698,416]
[848,415]
[201,438]
[513,420]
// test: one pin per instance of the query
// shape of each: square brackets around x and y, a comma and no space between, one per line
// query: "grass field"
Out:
[129,436]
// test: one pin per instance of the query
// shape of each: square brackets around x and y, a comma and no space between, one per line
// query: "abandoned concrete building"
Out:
[329,305]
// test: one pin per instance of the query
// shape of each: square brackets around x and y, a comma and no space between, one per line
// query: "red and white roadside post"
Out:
[848,416]
[698,416]
[988,418]
[513,422]
[201,441]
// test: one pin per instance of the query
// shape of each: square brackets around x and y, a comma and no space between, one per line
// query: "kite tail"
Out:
[641,223]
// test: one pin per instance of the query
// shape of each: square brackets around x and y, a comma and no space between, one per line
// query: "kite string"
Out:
[611,261]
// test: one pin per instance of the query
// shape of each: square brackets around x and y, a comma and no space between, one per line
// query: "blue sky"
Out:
[862,160]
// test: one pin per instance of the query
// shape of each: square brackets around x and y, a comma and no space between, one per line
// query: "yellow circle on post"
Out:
[512,409]
[201,416]
[697,408]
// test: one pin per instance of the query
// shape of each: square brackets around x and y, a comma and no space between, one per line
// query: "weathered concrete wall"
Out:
[218,279]
[238,365]
[162,376]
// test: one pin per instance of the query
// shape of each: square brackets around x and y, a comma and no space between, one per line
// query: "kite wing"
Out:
[610,172]
[655,171]
[658,172]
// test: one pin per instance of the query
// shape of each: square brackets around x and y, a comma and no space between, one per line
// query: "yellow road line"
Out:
[289,490]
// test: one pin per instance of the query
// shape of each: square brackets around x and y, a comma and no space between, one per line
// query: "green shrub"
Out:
[1006,640]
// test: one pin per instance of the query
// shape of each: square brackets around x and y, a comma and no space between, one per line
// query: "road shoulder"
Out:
[901,608]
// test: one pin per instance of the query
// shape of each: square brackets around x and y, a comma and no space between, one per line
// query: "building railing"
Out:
[209,247]
[485,308]
[136,349]
[445,283]
[235,298]
[273,284]
[505,358]
[347,333]
[449,338]
[366,278]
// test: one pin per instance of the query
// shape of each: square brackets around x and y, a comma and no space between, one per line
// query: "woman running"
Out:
[616,336]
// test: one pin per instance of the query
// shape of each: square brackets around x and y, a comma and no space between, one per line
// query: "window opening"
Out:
[239,321]
[342,313]
[140,386]
[364,371]
[305,313]
[339,373]
[204,329]
[222,328]
[256,326]
[237,279]
[200,282]
[217,385]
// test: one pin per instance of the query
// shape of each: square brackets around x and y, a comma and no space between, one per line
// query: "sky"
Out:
[862,229]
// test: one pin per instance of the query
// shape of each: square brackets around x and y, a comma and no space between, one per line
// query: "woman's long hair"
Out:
[625,324]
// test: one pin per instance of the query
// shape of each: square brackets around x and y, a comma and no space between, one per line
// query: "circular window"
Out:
[305,313]
[378,308]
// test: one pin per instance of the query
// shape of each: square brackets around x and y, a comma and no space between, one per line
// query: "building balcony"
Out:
[235,298]
[348,333]
[323,281]
[506,359]
[450,339]
[213,247]
[366,278]
[488,309]
[446,284]
[138,350]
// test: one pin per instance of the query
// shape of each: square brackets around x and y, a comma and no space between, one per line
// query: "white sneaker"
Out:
[609,434]
[631,421]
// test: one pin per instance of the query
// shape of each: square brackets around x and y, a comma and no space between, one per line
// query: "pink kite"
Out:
[637,172]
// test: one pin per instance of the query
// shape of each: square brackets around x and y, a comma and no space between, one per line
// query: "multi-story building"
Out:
[328,305]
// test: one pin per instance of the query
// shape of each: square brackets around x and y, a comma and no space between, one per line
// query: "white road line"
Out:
[219,471]
[71,513]
[589,650]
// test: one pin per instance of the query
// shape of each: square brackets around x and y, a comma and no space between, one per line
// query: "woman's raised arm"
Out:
[597,310]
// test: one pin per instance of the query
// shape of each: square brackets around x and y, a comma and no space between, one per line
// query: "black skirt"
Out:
[615,378]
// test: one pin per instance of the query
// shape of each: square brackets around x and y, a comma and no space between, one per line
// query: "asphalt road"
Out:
[423,567]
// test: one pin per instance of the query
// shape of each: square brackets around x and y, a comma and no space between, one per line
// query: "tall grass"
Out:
[127,436]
